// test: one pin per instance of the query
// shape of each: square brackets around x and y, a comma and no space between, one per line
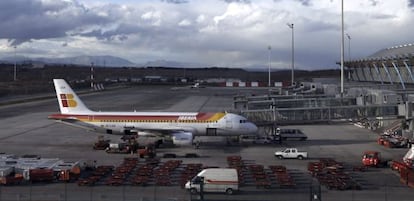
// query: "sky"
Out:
[223,33]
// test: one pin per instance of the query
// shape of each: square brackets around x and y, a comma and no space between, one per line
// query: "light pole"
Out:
[349,53]
[342,48]
[92,77]
[349,46]
[270,63]
[15,65]
[293,53]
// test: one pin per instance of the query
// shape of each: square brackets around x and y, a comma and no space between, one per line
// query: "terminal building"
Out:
[388,66]
[378,94]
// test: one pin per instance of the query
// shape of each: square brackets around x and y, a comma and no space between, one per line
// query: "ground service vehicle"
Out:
[101,144]
[408,157]
[147,151]
[290,134]
[291,153]
[214,180]
[371,158]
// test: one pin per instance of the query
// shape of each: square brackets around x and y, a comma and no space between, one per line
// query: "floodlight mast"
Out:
[349,46]
[270,63]
[293,54]
[15,65]
[342,48]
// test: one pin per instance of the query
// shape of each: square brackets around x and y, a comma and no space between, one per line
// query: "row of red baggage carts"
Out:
[97,174]
[259,175]
[237,163]
[283,178]
[331,174]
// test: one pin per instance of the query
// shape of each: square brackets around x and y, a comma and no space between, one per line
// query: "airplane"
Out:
[181,126]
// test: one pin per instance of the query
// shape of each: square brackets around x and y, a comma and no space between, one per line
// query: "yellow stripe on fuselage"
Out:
[217,116]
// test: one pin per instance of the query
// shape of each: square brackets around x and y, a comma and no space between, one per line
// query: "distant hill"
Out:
[102,61]
[175,64]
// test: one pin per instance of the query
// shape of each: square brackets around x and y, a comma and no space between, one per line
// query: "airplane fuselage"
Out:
[196,123]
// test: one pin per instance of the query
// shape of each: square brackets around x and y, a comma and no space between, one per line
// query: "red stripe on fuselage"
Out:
[199,117]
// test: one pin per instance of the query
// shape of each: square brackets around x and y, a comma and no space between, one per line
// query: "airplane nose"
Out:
[252,128]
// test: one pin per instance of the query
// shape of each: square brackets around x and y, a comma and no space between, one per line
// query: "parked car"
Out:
[262,140]
[291,153]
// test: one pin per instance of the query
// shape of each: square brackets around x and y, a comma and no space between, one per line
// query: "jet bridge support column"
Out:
[388,73]
[409,70]
[364,73]
[399,74]
[357,74]
[370,72]
[378,72]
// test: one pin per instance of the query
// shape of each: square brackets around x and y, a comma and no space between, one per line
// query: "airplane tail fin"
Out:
[69,102]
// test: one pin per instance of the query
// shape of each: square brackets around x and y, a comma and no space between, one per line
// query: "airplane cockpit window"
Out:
[242,121]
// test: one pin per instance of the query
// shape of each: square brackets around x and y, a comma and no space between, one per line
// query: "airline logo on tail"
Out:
[68,100]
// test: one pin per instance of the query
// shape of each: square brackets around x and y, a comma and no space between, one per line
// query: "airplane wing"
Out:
[78,124]
[179,135]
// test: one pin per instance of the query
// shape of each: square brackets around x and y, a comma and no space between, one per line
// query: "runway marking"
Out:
[205,102]
[26,131]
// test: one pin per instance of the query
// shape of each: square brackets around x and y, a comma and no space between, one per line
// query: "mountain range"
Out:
[112,61]
[101,61]
[109,61]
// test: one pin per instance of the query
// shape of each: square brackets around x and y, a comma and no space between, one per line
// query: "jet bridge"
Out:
[268,111]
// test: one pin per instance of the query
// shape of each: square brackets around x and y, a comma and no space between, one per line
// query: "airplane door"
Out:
[211,131]
[229,123]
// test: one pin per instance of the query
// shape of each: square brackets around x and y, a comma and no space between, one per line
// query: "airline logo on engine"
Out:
[67,100]
[183,118]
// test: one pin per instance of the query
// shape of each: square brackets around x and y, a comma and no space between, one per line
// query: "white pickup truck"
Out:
[291,153]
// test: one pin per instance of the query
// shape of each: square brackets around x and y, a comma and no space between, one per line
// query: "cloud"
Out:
[153,17]
[305,2]
[25,20]
[374,2]
[219,33]
[411,3]
[237,1]
[120,32]
[184,23]
[175,1]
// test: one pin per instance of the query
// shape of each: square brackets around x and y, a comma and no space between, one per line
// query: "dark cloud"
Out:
[411,3]
[237,1]
[175,1]
[305,2]
[26,20]
[374,2]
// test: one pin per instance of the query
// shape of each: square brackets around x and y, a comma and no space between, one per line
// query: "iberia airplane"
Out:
[181,126]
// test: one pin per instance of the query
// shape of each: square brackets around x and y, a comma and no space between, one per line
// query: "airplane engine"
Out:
[182,138]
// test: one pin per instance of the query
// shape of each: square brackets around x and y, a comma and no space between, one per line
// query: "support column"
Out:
[398,73]
[357,72]
[386,71]
[378,72]
[409,71]
[364,74]
[370,72]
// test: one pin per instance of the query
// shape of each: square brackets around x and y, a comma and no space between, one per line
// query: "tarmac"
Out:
[25,129]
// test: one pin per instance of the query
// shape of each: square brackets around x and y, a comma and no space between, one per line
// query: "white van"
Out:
[215,180]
